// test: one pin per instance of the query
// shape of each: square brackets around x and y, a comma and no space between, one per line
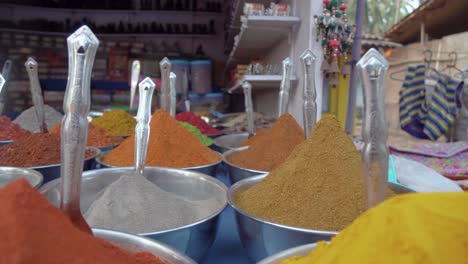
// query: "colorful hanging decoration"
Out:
[336,36]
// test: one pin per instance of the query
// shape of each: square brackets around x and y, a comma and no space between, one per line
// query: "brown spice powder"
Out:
[170,145]
[269,149]
[97,136]
[257,136]
[38,149]
[320,186]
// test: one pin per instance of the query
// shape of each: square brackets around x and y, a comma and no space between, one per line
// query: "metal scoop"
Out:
[165,100]
[134,82]
[82,47]
[5,77]
[185,90]
[310,106]
[172,94]
[247,87]
[142,129]
[284,88]
[36,93]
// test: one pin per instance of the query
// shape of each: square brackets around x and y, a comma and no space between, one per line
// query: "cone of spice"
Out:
[116,122]
[170,145]
[97,137]
[196,121]
[320,186]
[10,130]
[38,149]
[270,148]
[37,232]
[206,141]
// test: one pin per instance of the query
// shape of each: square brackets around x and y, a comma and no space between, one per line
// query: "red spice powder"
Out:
[35,231]
[170,145]
[38,149]
[194,120]
[97,136]
[10,130]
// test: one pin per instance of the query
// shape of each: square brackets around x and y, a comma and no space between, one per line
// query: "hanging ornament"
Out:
[335,35]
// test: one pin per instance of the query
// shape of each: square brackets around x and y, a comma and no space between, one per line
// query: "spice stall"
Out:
[162,185]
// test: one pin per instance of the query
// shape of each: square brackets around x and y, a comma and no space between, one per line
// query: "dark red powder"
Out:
[38,149]
[10,130]
[194,120]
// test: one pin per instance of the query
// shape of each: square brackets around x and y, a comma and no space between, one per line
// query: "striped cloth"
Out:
[413,111]
[443,108]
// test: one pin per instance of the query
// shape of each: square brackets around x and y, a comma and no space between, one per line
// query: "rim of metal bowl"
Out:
[98,232]
[96,151]
[36,175]
[232,204]
[238,150]
[220,156]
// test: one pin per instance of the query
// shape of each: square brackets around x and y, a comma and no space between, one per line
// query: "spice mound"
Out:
[38,149]
[206,141]
[170,145]
[116,122]
[28,120]
[37,232]
[258,134]
[135,205]
[97,137]
[414,228]
[194,120]
[320,185]
[271,148]
[10,130]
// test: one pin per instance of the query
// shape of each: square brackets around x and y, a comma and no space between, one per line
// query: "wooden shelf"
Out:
[260,82]
[258,35]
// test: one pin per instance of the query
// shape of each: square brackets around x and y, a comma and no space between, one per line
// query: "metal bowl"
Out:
[262,238]
[194,239]
[52,172]
[5,142]
[228,142]
[235,172]
[134,244]
[210,169]
[9,174]
[300,251]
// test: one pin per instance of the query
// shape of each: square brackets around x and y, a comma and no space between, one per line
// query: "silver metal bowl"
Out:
[210,169]
[300,251]
[194,239]
[5,142]
[9,174]
[52,172]
[235,172]
[134,244]
[262,238]
[228,142]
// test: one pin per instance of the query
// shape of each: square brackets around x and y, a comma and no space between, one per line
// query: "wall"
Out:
[302,37]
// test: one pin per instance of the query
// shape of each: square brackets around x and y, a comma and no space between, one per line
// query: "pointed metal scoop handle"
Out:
[142,129]
[82,47]
[247,87]
[186,92]
[310,106]
[284,88]
[36,93]
[165,100]
[134,82]
[172,94]
[5,77]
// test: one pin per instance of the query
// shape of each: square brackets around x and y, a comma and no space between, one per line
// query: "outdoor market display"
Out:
[116,122]
[415,228]
[270,148]
[170,145]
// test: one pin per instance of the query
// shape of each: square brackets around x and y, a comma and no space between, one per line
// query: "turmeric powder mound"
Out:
[271,148]
[170,145]
[116,122]
[413,228]
[320,185]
